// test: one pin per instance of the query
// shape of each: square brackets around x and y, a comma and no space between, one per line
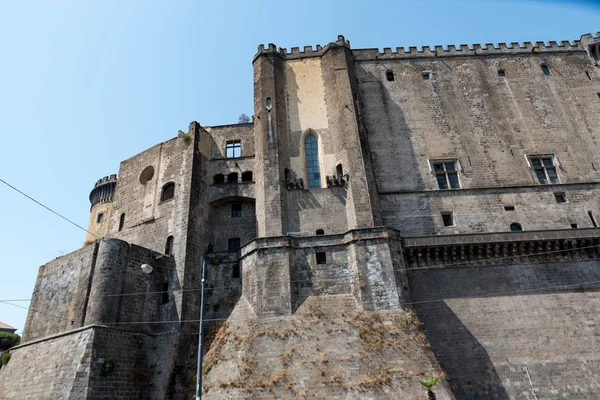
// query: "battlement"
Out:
[104,190]
[105,180]
[307,51]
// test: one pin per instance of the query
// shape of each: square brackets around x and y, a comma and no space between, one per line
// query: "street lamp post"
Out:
[201,337]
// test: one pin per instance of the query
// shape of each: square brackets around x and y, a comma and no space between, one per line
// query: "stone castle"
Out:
[462,183]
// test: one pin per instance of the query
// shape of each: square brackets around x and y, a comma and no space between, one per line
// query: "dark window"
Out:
[501,72]
[219,179]
[509,208]
[448,218]
[598,94]
[247,176]
[446,174]
[268,102]
[574,226]
[236,210]
[165,293]
[545,69]
[312,162]
[339,170]
[169,246]
[320,232]
[168,192]
[544,169]
[592,218]
[321,258]
[560,198]
[515,227]
[232,177]
[426,76]
[121,222]
[234,244]
[100,218]
[389,75]
[233,149]
[235,271]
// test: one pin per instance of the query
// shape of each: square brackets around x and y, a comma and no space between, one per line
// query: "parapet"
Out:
[307,52]
[104,190]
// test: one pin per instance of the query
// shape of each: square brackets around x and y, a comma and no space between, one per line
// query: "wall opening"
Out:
[121,222]
[168,191]
[165,293]
[574,226]
[235,271]
[236,210]
[390,76]
[560,198]
[247,176]
[219,179]
[515,227]
[169,246]
[426,76]
[100,218]
[320,232]
[321,258]
[509,208]
[232,177]
[339,171]
[448,218]
[234,244]
[545,69]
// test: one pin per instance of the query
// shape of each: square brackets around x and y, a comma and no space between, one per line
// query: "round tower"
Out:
[101,198]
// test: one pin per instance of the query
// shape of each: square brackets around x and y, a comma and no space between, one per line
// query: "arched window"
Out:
[320,232]
[515,227]
[339,171]
[169,246]
[232,177]
[313,172]
[121,222]
[168,192]
[247,176]
[219,179]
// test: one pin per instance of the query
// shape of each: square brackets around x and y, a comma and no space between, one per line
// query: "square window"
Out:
[560,198]
[390,76]
[426,76]
[574,226]
[234,244]
[236,210]
[545,69]
[446,173]
[321,258]
[501,72]
[233,149]
[448,218]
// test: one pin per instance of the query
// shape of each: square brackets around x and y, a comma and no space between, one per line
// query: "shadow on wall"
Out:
[394,157]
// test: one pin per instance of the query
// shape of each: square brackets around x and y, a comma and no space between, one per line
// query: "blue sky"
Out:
[85,85]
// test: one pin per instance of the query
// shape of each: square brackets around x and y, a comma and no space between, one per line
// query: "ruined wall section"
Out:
[466,111]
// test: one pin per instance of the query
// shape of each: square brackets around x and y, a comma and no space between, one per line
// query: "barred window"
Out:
[446,174]
[544,169]
[312,162]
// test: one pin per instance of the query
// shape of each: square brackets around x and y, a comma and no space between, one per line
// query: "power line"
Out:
[47,208]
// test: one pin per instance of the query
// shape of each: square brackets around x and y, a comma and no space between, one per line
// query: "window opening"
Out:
[389,75]
[321,258]
[514,227]
[426,76]
[247,176]
[560,198]
[100,218]
[574,226]
[234,244]
[339,170]
[544,168]
[312,162]
[121,222]
[446,174]
[169,246]
[235,271]
[146,175]
[219,179]
[448,218]
[545,69]
[168,192]
[509,208]
[320,232]
[233,149]
[501,72]
[592,218]
[165,293]
[236,210]
[232,177]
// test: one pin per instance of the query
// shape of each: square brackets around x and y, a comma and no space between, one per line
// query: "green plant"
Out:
[107,367]
[5,358]
[428,384]
[8,340]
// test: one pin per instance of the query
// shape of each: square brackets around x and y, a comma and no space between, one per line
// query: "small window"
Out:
[509,208]
[233,148]
[574,226]
[390,76]
[121,222]
[544,169]
[448,218]
[514,227]
[235,271]
[236,210]
[592,218]
[219,179]
[165,293]
[234,244]
[321,258]
[545,69]
[560,198]
[100,218]
[169,246]
[501,72]
[232,177]
[446,174]
[598,94]
[426,76]
[168,192]
[339,170]
[320,232]
[247,176]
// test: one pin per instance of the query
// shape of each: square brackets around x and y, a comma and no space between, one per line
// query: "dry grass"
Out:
[316,310]
[216,345]
[337,378]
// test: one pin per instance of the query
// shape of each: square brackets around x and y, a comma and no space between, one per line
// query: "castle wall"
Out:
[489,123]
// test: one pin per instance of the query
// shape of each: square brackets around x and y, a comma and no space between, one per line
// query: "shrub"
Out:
[5,358]
[8,340]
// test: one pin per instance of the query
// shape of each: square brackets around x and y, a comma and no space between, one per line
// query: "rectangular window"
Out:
[501,72]
[165,293]
[448,218]
[560,198]
[100,218]
[544,169]
[233,149]
[509,208]
[321,258]
[234,244]
[446,174]
[236,210]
